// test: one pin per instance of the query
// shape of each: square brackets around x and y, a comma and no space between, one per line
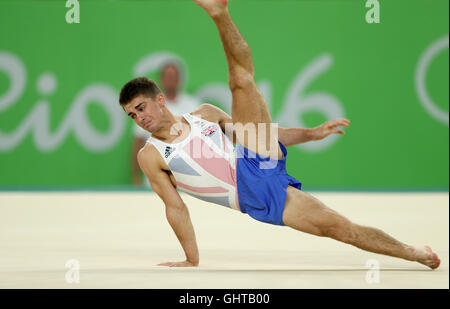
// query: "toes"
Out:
[436,259]
[434,262]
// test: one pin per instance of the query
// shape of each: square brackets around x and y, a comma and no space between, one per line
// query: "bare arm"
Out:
[319,132]
[287,136]
[294,136]
[176,211]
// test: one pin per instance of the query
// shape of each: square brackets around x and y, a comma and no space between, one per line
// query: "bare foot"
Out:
[213,7]
[427,257]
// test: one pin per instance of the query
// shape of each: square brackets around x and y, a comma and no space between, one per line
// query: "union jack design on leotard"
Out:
[204,164]
[209,130]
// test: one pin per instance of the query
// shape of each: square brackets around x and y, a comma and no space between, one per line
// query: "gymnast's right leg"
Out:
[249,109]
[305,213]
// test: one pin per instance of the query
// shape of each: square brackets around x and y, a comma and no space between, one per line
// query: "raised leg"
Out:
[250,112]
[305,213]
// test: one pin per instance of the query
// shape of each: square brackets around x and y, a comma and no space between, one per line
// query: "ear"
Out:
[161,100]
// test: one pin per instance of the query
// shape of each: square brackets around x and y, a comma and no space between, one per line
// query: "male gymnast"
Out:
[196,153]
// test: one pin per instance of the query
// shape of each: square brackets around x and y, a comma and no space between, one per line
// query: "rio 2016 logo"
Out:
[296,102]
[77,120]
[420,79]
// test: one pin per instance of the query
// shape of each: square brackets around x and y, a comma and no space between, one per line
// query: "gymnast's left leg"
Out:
[248,106]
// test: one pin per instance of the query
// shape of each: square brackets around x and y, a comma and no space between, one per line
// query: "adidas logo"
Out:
[168,151]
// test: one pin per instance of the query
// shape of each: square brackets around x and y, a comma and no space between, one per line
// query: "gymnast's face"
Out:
[146,112]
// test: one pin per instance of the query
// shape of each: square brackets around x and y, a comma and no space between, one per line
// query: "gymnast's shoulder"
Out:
[211,113]
[149,158]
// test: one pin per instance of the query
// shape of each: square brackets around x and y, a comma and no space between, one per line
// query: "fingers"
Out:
[341,122]
[182,264]
[170,264]
[177,264]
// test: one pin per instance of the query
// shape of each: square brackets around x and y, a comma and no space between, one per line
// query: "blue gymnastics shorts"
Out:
[262,184]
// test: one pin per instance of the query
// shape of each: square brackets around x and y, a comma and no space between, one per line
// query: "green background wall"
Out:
[314,61]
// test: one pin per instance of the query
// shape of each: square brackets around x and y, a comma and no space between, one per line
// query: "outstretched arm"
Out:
[176,211]
[288,136]
[293,136]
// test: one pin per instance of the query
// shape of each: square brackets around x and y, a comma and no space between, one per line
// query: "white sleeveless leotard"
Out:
[204,163]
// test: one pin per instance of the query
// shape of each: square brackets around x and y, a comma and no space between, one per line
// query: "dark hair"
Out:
[136,87]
